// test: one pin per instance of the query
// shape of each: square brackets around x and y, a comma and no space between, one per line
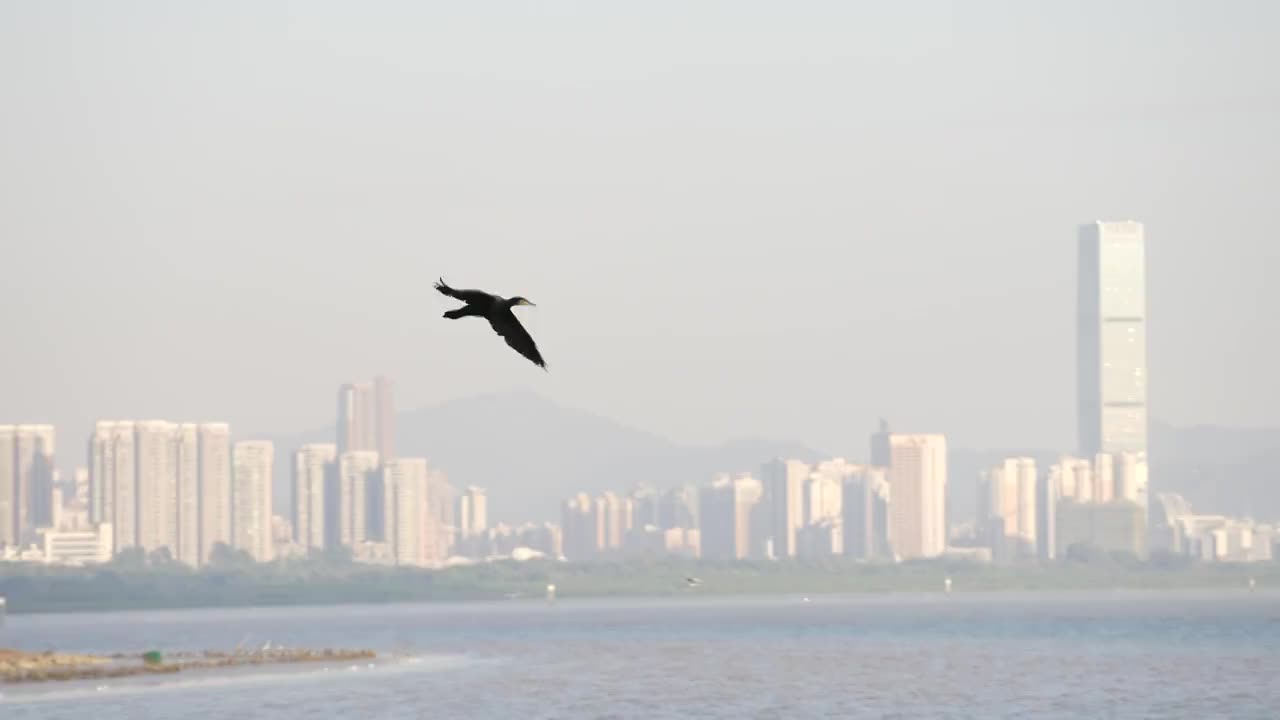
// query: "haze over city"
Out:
[901,359]
[734,221]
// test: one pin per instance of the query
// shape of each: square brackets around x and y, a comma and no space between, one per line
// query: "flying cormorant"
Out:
[498,311]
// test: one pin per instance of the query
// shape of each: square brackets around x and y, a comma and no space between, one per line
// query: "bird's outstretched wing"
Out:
[518,338]
[470,297]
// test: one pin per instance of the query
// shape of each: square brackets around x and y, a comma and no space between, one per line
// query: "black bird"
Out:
[498,311]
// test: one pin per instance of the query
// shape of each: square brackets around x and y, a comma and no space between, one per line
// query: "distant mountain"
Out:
[530,453]
[1220,470]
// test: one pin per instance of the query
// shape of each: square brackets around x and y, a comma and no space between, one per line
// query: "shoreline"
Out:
[34,590]
[26,667]
[702,593]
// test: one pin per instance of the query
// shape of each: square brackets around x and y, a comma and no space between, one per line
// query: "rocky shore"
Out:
[20,667]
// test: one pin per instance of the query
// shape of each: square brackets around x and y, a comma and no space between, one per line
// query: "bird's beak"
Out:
[526,302]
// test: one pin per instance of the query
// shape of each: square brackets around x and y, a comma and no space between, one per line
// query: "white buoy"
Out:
[946,585]
[1252,584]
[551,592]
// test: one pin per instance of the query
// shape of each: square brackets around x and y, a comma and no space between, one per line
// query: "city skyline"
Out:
[158,485]
[906,359]
[876,513]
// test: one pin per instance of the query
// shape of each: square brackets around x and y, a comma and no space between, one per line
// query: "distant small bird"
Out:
[692,581]
[498,312]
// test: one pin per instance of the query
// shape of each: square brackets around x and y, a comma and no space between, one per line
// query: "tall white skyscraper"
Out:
[1104,478]
[113,481]
[473,511]
[729,519]
[583,537]
[918,487]
[1007,508]
[31,486]
[355,470]
[314,473]
[824,497]
[464,515]
[157,484]
[1131,471]
[251,498]
[440,495]
[366,417]
[408,516]
[784,483]
[1075,479]
[1112,343]
[8,485]
[186,442]
[214,441]
[616,514]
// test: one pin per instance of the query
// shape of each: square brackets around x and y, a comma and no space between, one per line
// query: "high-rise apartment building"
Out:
[918,487]
[161,485]
[8,485]
[824,497]
[615,515]
[1075,479]
[186,442]
[113,482]
[866,514]
[408,516]
[213,441]
[355,475]
[26,481]
[440,500]
[157,485]
[784,482]
[583,537]
[730,524]
[366,417]
[252,462]
[473,511]
[1102,504]
[1007,512]
[1112,342]
[314,482]
[1104,478]
[1131,473]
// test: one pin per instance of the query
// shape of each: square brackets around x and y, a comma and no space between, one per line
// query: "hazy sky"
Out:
[736,218]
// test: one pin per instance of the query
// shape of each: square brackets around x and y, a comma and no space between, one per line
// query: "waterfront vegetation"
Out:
[134,581]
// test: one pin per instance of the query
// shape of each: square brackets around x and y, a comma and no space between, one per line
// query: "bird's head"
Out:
[518,301]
